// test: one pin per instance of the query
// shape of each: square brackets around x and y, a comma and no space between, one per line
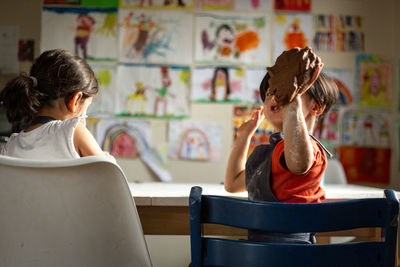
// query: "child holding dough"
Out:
[290,168]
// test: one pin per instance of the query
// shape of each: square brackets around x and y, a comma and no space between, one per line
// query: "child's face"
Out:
[273,113]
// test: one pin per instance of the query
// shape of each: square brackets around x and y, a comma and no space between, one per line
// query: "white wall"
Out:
[381,27]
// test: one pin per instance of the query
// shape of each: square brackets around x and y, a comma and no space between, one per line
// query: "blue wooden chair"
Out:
[288,217]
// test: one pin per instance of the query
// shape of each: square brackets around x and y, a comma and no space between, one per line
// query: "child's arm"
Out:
[235,170]
[84,142]
[298,148]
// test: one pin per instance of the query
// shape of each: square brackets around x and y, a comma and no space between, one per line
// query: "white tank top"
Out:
[51,141]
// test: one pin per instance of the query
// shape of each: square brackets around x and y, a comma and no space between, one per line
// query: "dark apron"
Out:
[258,184]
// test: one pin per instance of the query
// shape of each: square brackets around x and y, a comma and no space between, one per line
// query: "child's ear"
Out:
[73,103]
[317,109]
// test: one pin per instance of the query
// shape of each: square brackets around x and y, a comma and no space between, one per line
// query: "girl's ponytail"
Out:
[21,99]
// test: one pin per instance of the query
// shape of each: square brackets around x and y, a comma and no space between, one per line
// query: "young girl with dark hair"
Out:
[51,102]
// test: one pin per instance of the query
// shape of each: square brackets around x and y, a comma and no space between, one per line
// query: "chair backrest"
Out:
[68,213]
[334,173]
[292,218]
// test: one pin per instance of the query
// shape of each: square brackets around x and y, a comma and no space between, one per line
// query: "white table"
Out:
[163,207]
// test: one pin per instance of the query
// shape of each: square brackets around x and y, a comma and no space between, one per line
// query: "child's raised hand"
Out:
[248,128]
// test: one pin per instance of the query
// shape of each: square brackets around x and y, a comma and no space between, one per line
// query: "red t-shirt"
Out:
[304,188]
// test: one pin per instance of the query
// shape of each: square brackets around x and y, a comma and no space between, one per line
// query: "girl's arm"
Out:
[235,170]
[84,142]
[298,148]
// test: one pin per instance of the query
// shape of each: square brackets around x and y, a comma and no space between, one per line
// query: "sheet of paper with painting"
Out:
[291,30]
[374,80]
[194,140]
[178,4]
[88,32]
[155,36]
[153,91]
[254,77]
[232,39]
[344,80]
[218,84]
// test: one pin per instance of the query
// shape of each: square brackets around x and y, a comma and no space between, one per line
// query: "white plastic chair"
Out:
[334,173]
[68,213]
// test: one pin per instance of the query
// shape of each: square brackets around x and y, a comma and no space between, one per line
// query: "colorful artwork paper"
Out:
[104,102]
[218,84]
[349,33]
[189,140]
[324,38]
[254,76]
[156,4]
[326,130]
[291,30]
[89,32]
[292,5]
[232,39]
[344,80]
[153,91]
[253,5]
[214,4]
[374,80]
[155,36]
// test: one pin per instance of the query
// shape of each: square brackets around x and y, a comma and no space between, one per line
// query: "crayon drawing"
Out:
[344,80]
[153,91]
[374,80]
[324,37]
[243,113]
[231,39]
[253,5]
[254,77]
[89,32]
[291,30]
[327,130]
[104,101]
[214,4]
[156,4]
[190,140]
[292,5]
[123,138]
[365,149]
[154,36]
[366,129]
[218,84]
[349,33]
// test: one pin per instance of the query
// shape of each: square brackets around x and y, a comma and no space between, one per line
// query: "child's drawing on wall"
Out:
[156,3]
[374,81]
[218,84]
[89,32]
[164,92]
[123,138]
[154,36]
[104,102]
[254,77]
[291,30]
[344,80]
[254,5]
[327,130]
[231,39]
[194,140]
[365,129]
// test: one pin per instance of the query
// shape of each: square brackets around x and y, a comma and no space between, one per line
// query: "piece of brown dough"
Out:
[291,74]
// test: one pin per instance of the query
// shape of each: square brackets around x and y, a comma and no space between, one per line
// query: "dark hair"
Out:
[55,74]
[223,26]
[324,91]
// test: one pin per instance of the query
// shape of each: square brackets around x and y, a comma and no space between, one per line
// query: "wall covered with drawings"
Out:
[178,78]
